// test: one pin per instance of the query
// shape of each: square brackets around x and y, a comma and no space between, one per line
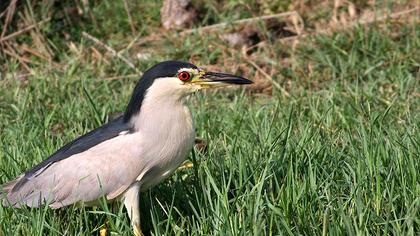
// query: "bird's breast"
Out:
[167,141]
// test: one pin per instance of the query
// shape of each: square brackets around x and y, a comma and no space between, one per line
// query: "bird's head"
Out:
[184,78]
[173,80]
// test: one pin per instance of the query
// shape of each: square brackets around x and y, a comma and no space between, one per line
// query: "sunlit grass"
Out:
[340,155]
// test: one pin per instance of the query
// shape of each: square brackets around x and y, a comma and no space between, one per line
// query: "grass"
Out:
[338,156]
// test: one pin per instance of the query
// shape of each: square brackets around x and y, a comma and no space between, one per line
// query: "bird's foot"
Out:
[137,230]
[103,230]
[186,165]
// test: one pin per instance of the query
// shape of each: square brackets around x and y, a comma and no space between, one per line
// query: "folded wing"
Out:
[104,161]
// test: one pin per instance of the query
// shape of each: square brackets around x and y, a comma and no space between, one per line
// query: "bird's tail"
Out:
[6,196]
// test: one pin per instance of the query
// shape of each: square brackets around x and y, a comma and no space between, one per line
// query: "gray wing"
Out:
[82,170]
[81,144]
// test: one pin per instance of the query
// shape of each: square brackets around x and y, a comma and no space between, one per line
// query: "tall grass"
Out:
[340,155]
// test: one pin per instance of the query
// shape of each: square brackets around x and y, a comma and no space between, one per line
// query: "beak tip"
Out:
[228,78]
[249,81]
[244,81]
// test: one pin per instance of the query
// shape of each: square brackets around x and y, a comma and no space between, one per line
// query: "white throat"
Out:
[163,108]
[166,128]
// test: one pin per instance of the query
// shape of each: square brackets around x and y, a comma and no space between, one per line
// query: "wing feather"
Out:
[103,162]
[106,169]
[81,144]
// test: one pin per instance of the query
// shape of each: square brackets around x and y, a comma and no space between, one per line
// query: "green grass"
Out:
[340,155]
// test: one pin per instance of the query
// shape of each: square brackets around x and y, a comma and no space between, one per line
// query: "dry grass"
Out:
[25,40]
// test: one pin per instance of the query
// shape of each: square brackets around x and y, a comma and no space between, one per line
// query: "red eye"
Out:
[184,76]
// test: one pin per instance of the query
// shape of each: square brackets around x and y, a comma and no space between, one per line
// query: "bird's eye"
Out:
[184,76]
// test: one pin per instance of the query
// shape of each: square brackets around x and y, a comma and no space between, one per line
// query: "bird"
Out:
[127,155]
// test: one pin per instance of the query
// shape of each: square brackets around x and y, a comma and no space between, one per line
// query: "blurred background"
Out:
[325,142]
[117,38]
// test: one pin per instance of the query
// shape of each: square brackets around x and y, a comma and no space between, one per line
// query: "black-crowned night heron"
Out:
[127,155]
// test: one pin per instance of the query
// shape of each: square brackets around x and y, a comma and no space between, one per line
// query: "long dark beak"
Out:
[225,78]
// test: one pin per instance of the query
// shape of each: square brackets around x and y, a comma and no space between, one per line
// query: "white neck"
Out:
[163,113]
[165,128]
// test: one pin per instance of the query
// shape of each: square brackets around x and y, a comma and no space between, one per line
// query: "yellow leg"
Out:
[137,230]
[103,230]
[186,165]
[131,203]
